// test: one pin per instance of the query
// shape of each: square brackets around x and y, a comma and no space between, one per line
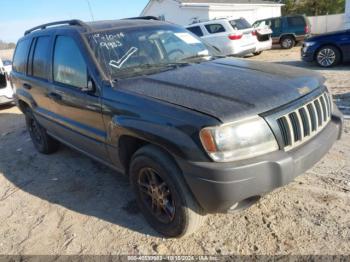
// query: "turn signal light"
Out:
[208,141]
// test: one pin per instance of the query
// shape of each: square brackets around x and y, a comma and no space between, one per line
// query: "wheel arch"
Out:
[286,35]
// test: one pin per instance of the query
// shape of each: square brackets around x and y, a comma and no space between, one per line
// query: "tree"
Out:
[312,7]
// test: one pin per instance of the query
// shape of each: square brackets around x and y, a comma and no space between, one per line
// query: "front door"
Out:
[77,112]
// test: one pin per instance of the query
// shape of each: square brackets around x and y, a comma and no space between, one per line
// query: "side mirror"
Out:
[90,87]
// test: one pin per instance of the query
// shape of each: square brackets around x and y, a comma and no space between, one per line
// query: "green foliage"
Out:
[313,7]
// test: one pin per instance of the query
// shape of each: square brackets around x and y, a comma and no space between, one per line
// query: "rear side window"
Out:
[40,58]
[21,56]
[296,21]
[215,28]
[240,24]
[196,30]
[68,65]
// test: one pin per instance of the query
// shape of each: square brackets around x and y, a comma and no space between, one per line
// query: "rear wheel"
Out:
[257,53]
[328,56]
[162,195]
[287,42]
[41,140]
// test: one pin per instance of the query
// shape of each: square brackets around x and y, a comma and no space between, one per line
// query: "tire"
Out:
[257,53]
[287,42]
[328,56]
[41,140]
[180,215]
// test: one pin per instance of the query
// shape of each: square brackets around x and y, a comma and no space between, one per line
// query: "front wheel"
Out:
[257,53]
[328,56]
[162,194]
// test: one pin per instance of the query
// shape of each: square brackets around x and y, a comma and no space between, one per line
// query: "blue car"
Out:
[328,49]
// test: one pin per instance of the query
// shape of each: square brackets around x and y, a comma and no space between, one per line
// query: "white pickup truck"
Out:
[6,92]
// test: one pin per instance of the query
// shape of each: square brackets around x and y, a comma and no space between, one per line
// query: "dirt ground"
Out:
[68,204]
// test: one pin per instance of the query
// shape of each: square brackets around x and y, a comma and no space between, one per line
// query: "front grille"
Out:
[305,122]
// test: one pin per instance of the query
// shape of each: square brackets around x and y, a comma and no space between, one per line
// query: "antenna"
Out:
[90,10]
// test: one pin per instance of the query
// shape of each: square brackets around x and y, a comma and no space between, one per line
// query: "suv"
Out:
[195,133]
[230,36]
[287,30]
[6,92]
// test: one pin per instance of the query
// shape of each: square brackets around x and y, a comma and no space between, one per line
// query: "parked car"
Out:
[263,39]
[230,36]
[287,30]
[7,64]
[328,49]
[195,133]
[6,92]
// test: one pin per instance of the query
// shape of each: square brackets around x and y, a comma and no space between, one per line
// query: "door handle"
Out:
[27,86]
[55,96]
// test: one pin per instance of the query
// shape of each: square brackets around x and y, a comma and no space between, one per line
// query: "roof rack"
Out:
[143,18]
[65,22]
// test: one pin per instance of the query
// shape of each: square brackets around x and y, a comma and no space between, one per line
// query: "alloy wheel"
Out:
[156,195]
[326,57]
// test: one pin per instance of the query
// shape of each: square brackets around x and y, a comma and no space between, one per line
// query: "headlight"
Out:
[308,44]
[238,140]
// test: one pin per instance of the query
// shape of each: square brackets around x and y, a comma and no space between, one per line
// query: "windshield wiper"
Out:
[142,69]
[189,58]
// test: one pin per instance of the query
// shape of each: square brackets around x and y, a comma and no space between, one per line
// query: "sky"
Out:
[16,16]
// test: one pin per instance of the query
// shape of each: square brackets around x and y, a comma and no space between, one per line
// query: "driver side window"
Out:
[68,65]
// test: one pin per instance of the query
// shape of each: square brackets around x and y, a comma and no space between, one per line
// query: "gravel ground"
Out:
[68,204]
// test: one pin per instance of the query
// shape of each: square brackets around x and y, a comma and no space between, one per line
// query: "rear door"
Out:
[38,76]
[77,112]
[296,25]
[276,27]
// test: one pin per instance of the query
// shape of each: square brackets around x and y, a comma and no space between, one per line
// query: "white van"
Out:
[231,36]
[6,92]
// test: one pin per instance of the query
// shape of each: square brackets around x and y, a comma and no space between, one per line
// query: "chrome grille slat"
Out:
[308,120]
[291,131]
[315,114]
[324,109]
[301,124]
[305,122]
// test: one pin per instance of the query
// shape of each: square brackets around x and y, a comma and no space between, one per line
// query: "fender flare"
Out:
[167,137]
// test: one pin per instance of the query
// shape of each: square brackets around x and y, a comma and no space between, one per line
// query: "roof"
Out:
[97,25]
[122,23]
[228,2]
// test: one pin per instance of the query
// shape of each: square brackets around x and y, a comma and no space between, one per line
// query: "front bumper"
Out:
[307,53]
[218,186]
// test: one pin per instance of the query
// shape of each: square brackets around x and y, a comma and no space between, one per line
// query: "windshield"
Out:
[133,51]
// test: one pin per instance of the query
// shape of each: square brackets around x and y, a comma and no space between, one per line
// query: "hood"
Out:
[228,88]
[330,34]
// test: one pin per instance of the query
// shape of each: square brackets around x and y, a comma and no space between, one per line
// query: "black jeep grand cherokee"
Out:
[196,133]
